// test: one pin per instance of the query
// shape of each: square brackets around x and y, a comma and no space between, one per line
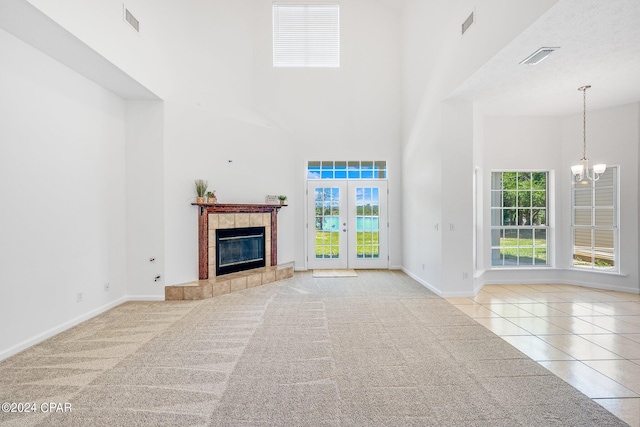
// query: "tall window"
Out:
[595,222]
[519,226]
[306,35]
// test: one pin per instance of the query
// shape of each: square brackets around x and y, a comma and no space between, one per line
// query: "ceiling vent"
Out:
[128,16]
[538,55]
[467,23]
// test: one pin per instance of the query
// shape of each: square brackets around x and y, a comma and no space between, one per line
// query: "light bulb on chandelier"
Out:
[581,171]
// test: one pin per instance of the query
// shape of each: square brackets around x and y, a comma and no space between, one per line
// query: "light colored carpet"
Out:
[376,350]
[335,273]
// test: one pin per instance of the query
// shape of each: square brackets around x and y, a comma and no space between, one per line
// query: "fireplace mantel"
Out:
[206,209]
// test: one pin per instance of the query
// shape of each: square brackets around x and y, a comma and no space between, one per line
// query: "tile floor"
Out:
[590,338]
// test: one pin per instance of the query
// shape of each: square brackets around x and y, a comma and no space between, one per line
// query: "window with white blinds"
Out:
[306,34]
[594,222]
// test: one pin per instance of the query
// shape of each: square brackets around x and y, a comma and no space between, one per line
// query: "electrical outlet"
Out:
[465,276]
[79,297]
[106,287]
[423,266]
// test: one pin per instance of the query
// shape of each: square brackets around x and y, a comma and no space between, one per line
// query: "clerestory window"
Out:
[306,34]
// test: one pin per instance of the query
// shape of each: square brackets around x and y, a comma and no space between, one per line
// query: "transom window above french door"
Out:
[519,219]
[342,169]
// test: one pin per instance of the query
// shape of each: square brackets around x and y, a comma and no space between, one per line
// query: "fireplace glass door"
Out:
[239,249]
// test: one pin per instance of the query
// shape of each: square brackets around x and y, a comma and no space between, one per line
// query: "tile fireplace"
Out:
[215,222]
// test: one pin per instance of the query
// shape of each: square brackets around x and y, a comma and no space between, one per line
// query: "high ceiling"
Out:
[599,44]
[397,4]
[598,40]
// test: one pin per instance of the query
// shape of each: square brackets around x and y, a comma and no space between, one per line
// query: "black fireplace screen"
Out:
[239,249]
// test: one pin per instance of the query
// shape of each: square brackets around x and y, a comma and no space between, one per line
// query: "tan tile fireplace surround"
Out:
[226,216]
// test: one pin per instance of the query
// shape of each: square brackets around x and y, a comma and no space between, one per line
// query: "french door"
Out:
[347,224]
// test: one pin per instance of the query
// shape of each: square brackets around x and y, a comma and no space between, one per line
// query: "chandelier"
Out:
[581,171]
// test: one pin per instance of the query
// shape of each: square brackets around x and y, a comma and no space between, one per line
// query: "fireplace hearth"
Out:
[215,217]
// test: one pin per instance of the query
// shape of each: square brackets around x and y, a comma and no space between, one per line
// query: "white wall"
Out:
[211,63]
[294,115]
[554,144]
[145,198]
[523,143]
[347,113]
[201,144]
[436,59]
[612,138]
[457,201]
[100,25]
[193,51]
[479,147]
[62,180]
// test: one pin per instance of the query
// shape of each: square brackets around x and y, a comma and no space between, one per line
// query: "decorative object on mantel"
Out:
[201,190]
[272,200]
[211,197]
[282,199]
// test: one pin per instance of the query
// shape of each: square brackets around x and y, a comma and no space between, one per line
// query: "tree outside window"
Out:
[519,226]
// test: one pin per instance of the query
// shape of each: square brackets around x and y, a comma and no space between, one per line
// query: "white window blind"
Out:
[306,35]
[595,222]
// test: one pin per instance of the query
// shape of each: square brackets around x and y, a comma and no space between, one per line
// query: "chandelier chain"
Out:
[581,171]
[584,122]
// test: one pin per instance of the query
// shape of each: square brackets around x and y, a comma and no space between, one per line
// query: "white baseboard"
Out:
[145,297]
[422,282]
[438,291]
[600,286]
[73,322]
[393,267]
[482,282]
[60,328]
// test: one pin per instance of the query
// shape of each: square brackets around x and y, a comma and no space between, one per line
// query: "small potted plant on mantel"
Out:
[201,190]
[282,199]
[211,197]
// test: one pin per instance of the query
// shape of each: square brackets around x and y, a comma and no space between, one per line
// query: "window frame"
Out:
[517,229]
[347,169]
[592,267]
[312,41]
